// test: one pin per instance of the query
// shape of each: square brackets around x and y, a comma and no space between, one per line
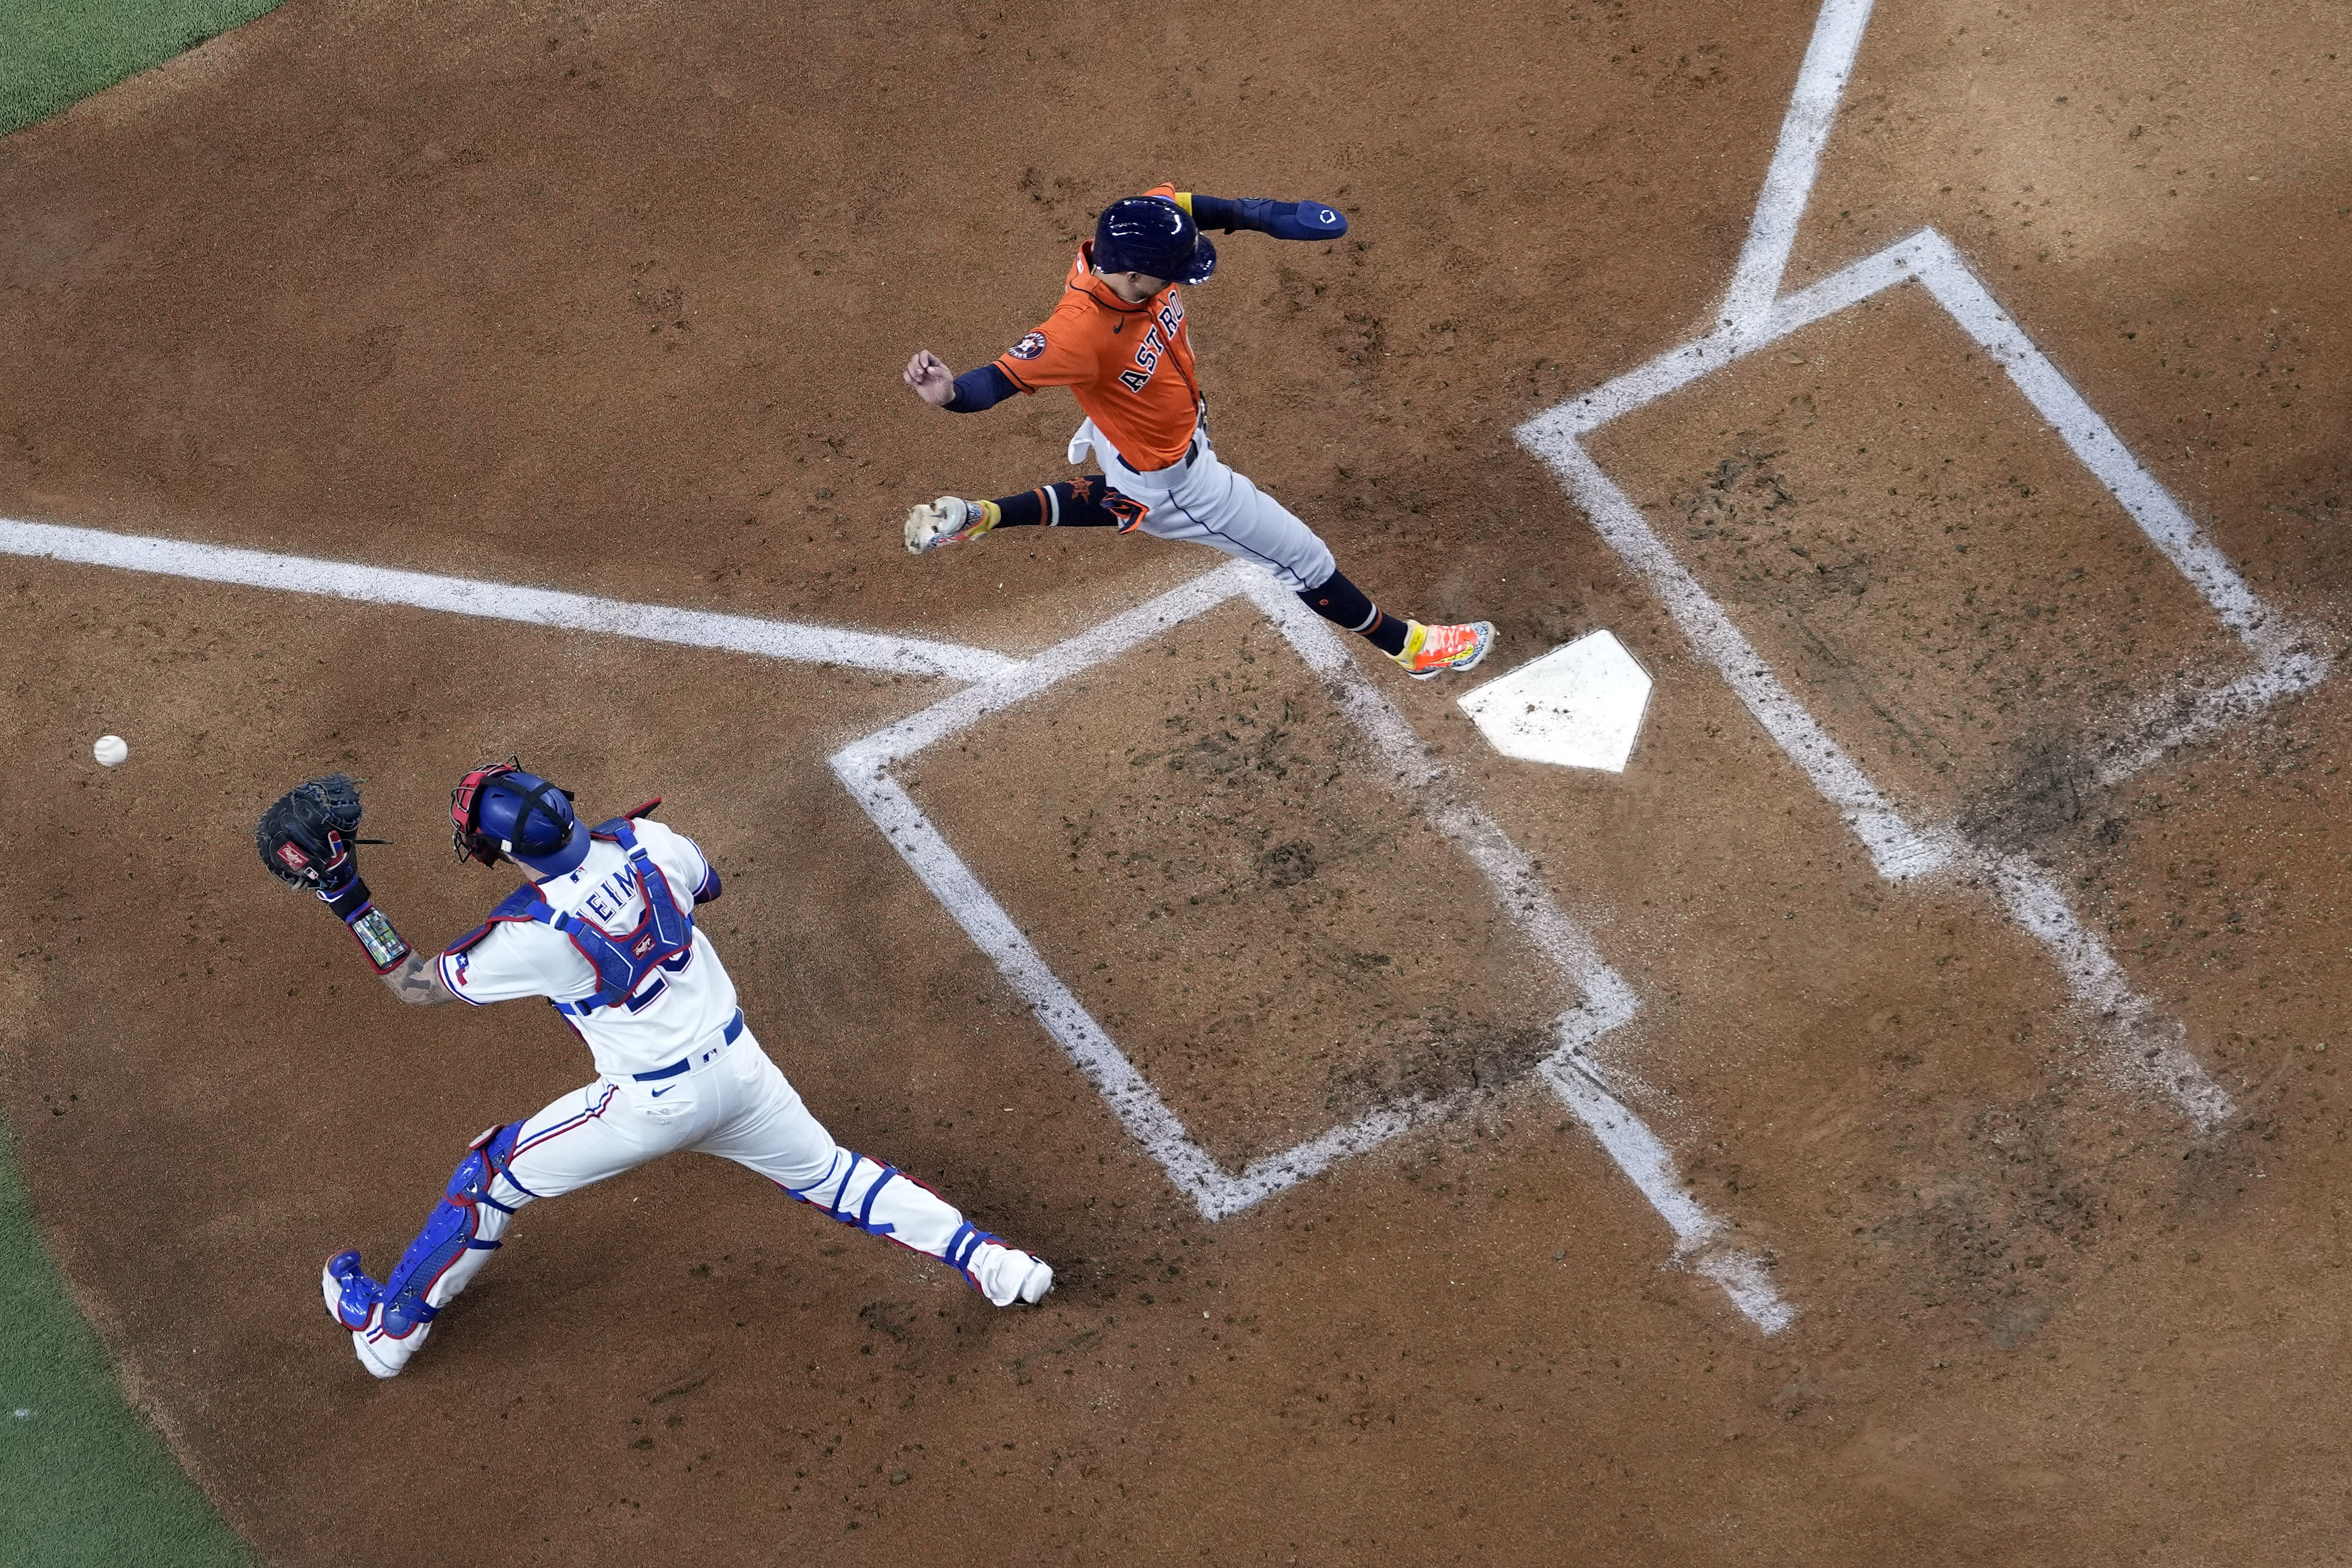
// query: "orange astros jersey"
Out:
[1130,366]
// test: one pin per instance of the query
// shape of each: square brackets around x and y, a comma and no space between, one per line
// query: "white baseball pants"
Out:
[737,1104]
[1205,502]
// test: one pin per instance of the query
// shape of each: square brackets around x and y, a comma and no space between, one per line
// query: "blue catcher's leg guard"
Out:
[389,1321]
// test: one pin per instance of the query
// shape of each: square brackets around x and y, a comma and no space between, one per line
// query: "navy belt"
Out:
[695,1058]
[1190,452]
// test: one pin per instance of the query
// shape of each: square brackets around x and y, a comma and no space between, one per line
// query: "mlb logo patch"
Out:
[1029,347]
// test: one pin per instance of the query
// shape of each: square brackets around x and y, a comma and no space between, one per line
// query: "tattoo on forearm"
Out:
[418,981]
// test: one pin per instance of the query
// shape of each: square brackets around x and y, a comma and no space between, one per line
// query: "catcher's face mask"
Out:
[499,810]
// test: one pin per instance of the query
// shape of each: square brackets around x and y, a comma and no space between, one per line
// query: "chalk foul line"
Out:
[795,641]
[1796,160]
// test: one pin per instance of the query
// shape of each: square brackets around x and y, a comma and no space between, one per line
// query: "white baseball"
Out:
[110,750]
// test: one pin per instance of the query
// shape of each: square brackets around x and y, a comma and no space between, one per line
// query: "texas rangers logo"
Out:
[1029,347]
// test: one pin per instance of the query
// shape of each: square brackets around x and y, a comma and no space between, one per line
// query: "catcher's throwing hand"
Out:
[933,382]
[945,520]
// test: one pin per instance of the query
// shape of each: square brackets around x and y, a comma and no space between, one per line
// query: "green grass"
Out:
[82,1479]
[54,53]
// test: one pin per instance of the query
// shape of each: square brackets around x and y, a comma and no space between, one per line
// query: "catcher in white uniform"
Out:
[606,932]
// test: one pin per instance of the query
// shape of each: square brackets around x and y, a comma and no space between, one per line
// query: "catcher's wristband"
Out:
[347,901]
[369,926]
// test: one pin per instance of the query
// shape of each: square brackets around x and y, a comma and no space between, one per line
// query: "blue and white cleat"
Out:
[1005,1275]
[351,1295]
[356,1303]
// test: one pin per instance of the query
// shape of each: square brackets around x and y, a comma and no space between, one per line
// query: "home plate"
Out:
[1579,706]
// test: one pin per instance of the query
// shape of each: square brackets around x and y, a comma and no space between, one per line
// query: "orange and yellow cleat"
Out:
[1433,650]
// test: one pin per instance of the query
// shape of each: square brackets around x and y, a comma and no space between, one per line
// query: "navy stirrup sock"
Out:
[1348,607]
[1066,503]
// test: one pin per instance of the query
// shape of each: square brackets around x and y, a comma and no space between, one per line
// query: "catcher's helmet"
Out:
[500,808]
[1153,235]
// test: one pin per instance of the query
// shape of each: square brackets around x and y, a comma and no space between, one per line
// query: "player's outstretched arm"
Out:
[307,839]
[419,982]
[1284,220]
[970,392]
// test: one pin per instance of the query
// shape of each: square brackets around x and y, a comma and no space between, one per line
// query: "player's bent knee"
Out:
[802,1180]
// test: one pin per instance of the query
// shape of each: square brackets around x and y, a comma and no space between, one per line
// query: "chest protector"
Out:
[662,938]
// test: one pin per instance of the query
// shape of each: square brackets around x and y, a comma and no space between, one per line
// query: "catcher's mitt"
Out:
[307,836]
[943,522]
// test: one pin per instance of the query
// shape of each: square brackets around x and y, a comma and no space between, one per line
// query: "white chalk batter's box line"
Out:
[2144,1048]
[1703,1241]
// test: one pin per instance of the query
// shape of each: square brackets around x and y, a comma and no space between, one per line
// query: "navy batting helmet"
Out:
[1152,236]
[500,808]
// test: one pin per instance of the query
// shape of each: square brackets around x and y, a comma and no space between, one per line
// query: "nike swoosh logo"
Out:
[659,1092]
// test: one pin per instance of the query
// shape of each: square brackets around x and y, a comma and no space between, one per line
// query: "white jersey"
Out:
[524,958]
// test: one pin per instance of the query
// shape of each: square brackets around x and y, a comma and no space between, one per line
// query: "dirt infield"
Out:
[612,300]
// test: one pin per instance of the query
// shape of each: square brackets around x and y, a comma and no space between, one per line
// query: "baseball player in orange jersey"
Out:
[1117,340]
